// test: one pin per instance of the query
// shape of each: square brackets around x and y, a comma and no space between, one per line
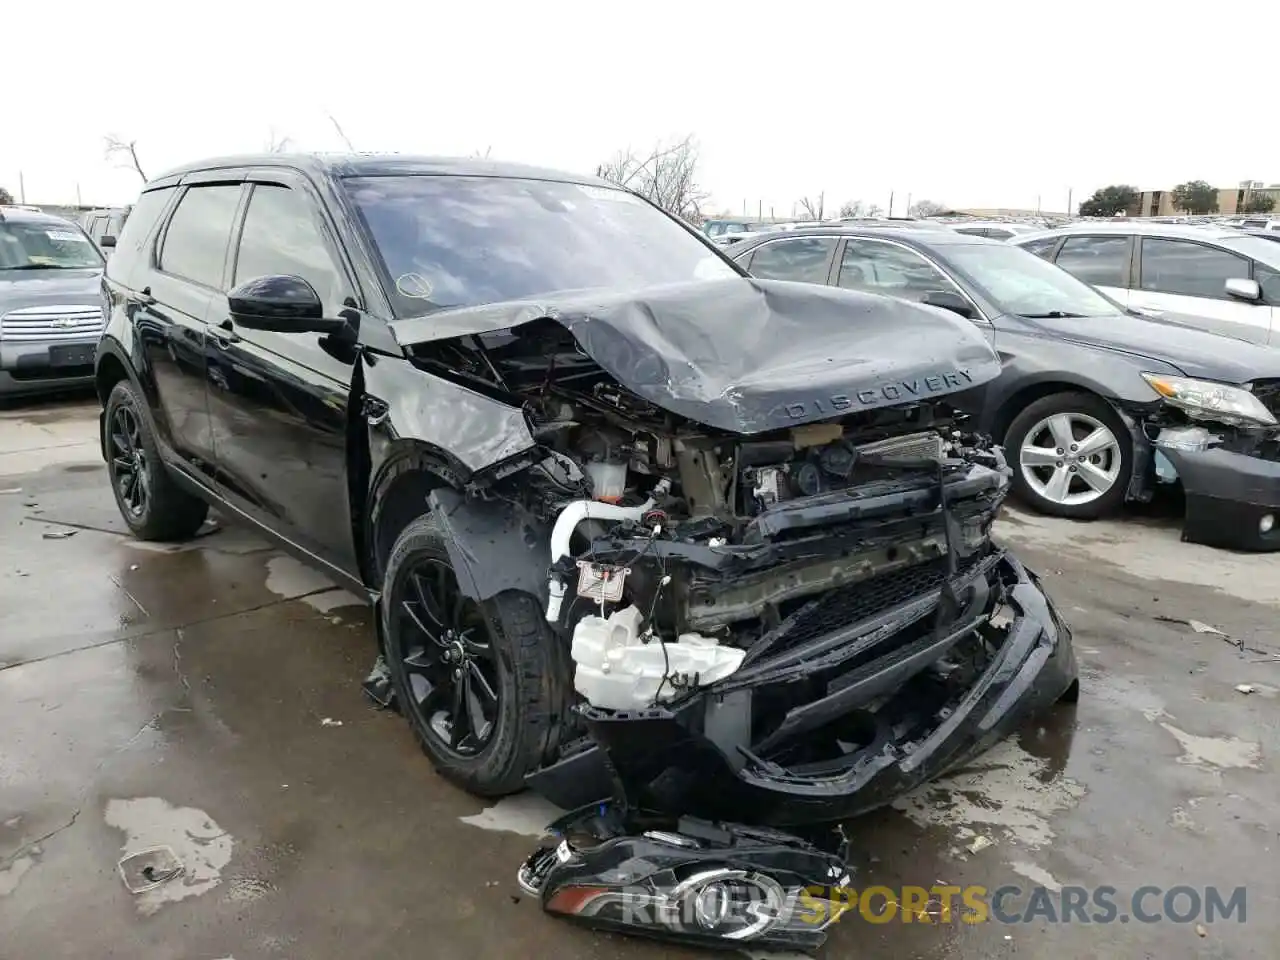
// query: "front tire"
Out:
[153,506]
[479,682]
[1072,456]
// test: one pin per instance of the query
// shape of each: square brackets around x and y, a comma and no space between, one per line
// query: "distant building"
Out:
[1231,200]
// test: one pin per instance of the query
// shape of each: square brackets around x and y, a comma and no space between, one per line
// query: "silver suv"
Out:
[50,303]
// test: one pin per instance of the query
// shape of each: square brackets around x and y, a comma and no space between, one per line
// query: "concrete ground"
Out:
[206,696]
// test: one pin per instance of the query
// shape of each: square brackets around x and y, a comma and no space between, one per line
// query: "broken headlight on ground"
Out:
[689,879]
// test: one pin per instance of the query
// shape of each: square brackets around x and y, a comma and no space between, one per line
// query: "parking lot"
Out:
[207,697]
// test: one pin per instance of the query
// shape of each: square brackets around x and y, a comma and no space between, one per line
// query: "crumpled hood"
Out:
[37,288]
[1197,353]
[749,355]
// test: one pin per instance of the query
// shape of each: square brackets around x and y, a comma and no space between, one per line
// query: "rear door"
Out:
[1187,278]
[1101,261]
[170,300]
[279,400]
[803,259]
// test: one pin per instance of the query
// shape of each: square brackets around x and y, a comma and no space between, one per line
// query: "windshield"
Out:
[448,241]
[1021,283]
[28,245]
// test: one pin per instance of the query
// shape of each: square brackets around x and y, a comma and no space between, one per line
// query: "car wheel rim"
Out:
[443,640]
[129,461]
[1070,458]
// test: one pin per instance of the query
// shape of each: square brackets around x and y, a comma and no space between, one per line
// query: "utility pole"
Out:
[890,204]
[1037,203]
[79,199]
[22,188]
[759,210]
[908,204]
[1069,191]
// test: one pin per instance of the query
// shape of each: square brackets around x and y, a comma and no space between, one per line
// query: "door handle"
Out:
[145,297]
[225,334]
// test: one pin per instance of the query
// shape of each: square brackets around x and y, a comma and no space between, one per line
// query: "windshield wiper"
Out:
[1052,315]
[47,266]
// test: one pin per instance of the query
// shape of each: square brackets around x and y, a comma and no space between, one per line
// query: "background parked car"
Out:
[994,229]
[1093,406]
[1229,279]
[50,303]
[104,226]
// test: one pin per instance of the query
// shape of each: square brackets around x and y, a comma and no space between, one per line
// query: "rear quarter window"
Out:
[133,242]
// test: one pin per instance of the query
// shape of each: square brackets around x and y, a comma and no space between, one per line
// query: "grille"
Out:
[1268,391]
[868,598]
[52,323]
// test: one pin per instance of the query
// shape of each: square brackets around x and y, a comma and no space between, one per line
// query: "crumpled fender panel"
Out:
[492,546]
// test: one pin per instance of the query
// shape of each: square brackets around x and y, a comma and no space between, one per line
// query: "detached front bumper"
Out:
[683,759]
[1233,498]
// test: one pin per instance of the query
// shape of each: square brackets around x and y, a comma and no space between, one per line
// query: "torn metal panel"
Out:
[466,427]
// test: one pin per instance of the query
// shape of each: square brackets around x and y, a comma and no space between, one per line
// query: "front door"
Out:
[279,401]
[1186,281]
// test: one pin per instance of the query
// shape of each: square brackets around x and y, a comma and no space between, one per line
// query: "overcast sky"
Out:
[969,103]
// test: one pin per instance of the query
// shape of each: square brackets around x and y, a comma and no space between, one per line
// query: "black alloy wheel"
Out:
[152,504]
[443,640]
[129,462]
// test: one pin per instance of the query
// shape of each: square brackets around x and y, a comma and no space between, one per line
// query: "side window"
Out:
[1041,248]
[800,258]
[195,245]
[1269,280]
[1190,269]
[131,243]
[1102,261]
[891,270]
[281,236]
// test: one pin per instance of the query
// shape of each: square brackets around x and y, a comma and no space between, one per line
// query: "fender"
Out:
[493,545]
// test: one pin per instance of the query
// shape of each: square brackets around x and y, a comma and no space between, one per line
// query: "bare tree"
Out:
[5,196]
[874,210]
[483,154]
[667,176]
[926,208]
[811,209]
[277,143]
[852,210]
[128,150]
[337,126]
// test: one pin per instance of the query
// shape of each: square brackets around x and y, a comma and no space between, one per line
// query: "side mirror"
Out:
[107,241]
[950,300]
[1243,289]
[281,304]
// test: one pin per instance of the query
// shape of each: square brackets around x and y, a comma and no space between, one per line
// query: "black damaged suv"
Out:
[613,498]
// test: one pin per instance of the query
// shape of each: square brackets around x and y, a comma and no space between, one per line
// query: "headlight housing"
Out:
[1206,400]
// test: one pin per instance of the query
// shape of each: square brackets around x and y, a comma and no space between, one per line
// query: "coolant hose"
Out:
[567,521]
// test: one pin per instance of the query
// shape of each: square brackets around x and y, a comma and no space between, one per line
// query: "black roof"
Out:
[382,165]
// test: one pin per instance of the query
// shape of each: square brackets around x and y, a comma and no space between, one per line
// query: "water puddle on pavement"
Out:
[1007,790]
[292,579]
[1219,752]
[525,813]
[201,845]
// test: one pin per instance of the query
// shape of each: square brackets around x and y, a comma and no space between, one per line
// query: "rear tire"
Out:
[1055,471]
[153,506]
[504,646]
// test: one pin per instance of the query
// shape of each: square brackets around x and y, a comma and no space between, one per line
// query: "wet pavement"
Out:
[206,697]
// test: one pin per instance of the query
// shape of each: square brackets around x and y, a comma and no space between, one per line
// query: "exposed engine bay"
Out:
[780,611]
